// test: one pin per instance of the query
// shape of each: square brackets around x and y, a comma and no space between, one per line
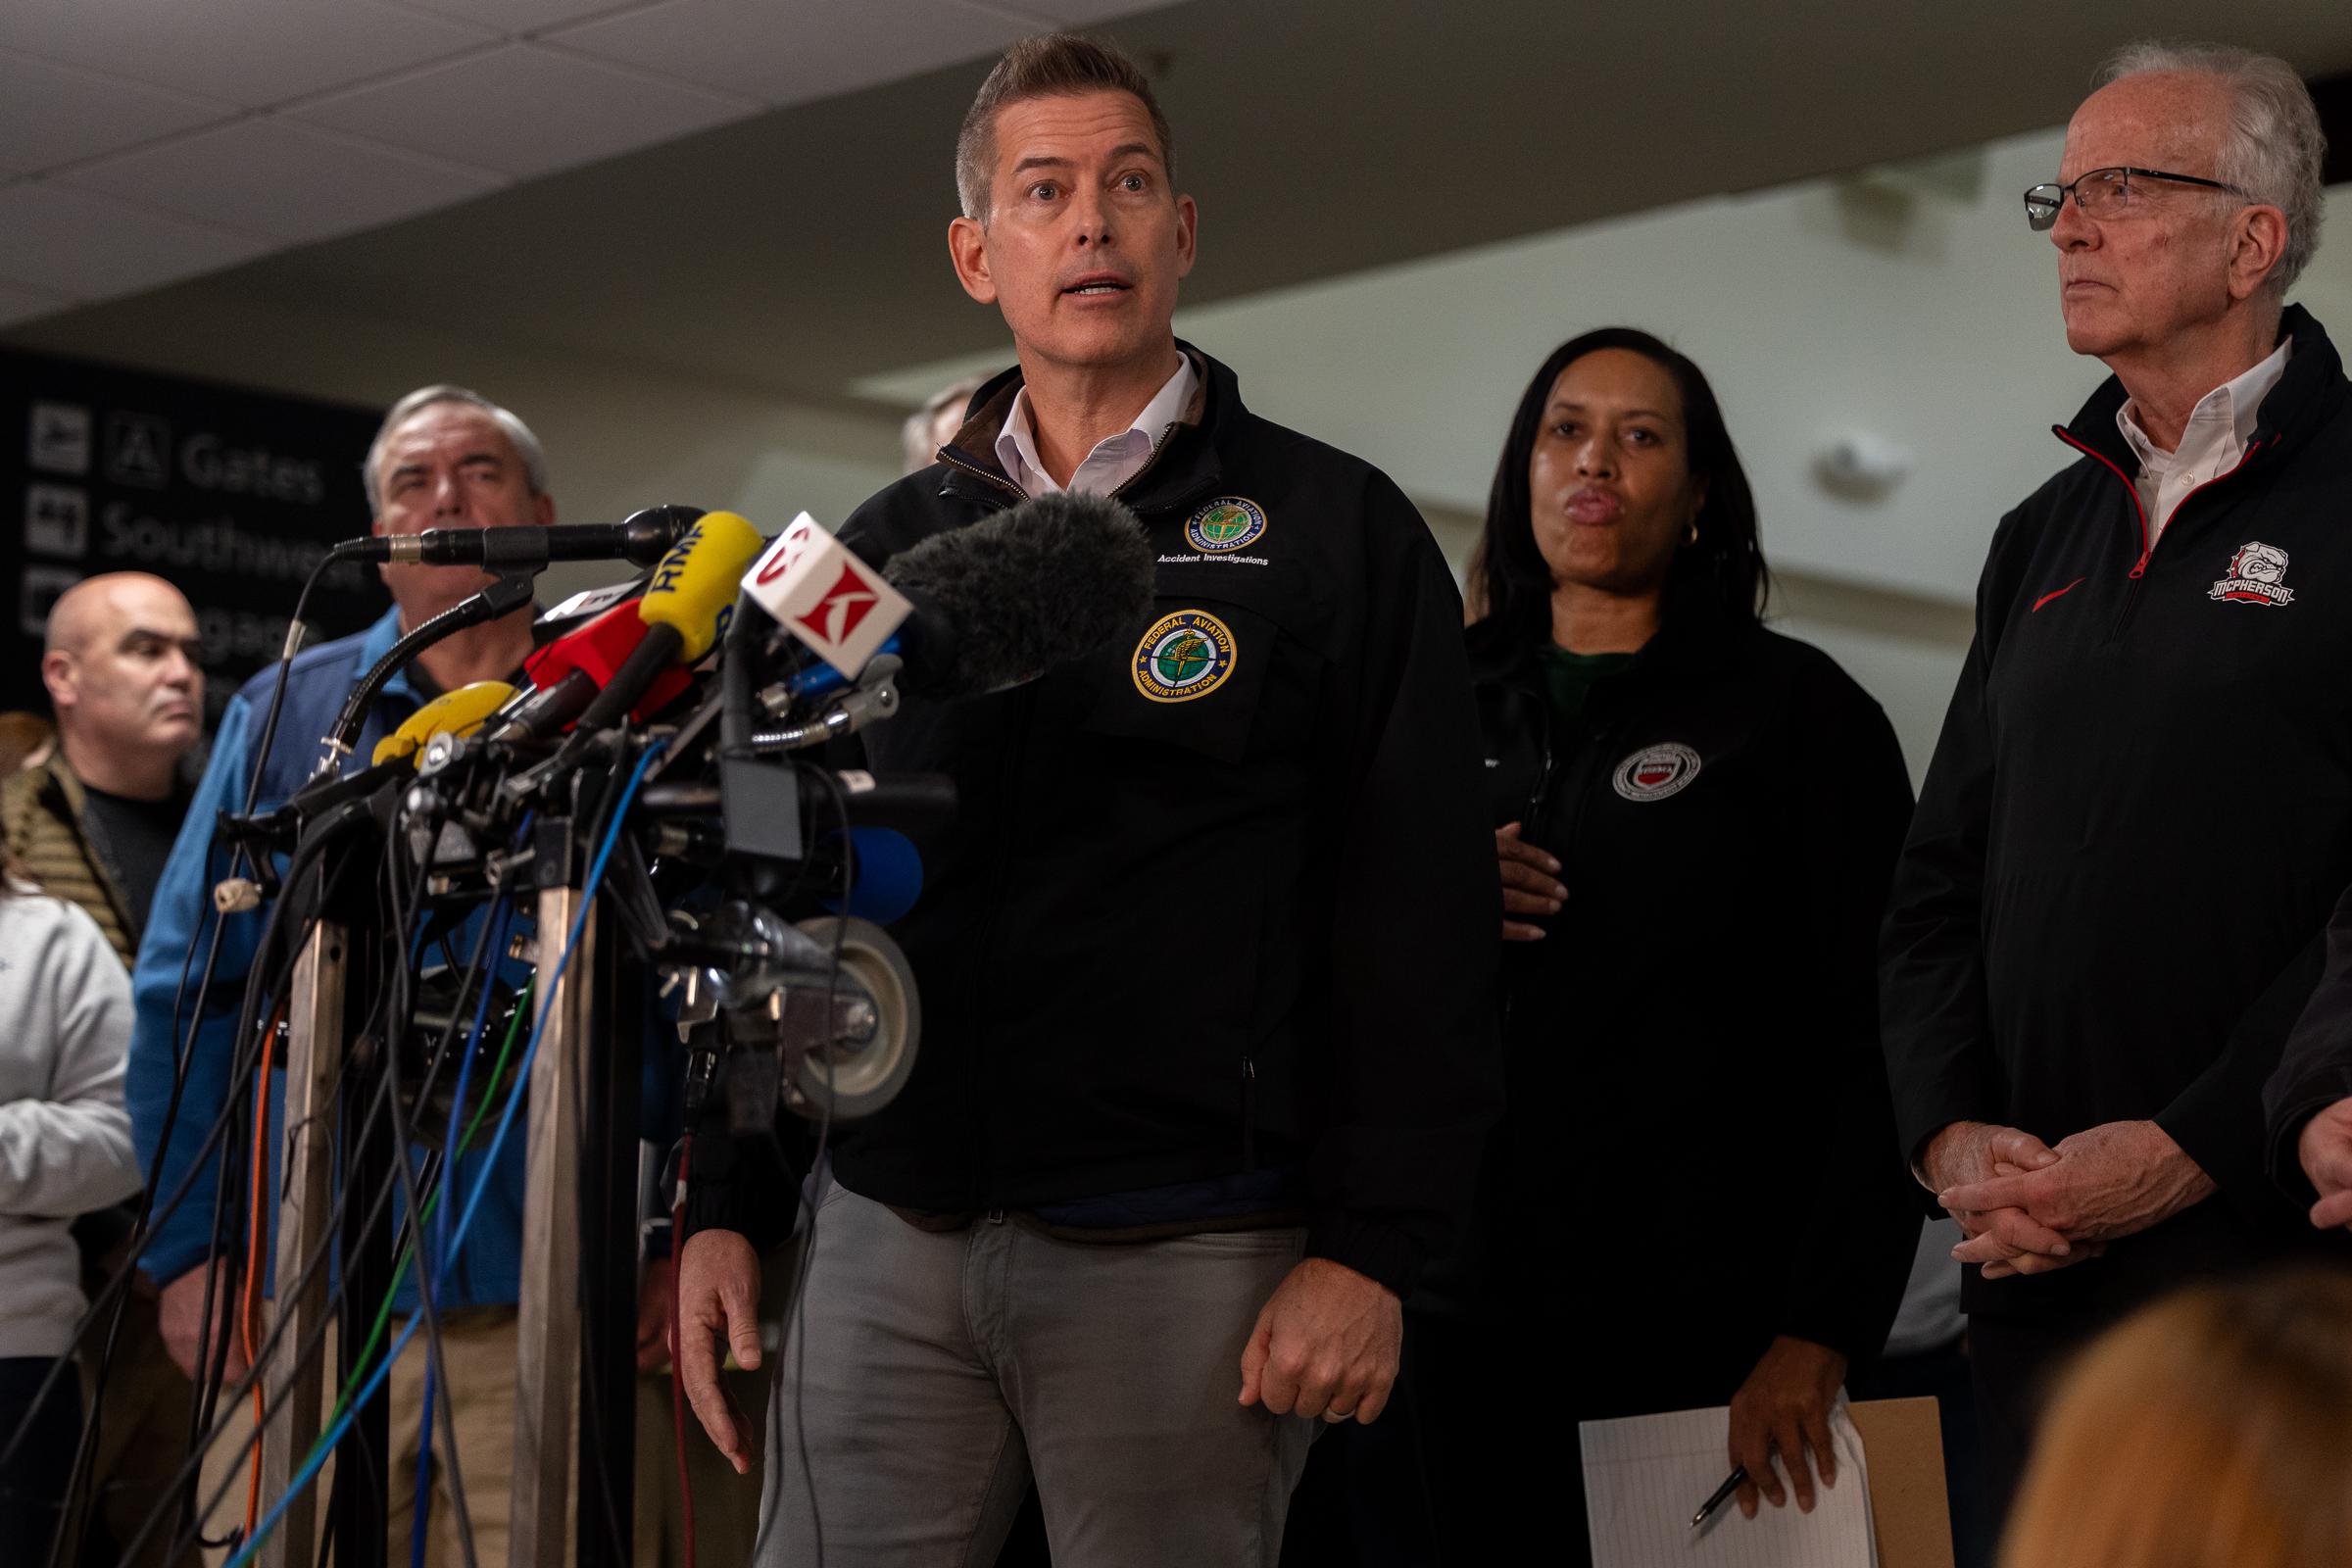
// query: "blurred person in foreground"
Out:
[2212,1430]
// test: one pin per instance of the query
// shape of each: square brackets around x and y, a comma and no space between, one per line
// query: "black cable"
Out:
[796,1310]
[591,1412]
[402,1009]
[502,596]
[110,1294]
[295,631]
[314,1343]
[85,1452]
[242,1075]
[144,1220]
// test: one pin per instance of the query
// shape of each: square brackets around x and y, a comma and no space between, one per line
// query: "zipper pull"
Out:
[995,1216]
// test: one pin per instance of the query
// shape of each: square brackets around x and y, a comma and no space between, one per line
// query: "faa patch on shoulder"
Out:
[1657,771]
[1184,655]
[1229,522]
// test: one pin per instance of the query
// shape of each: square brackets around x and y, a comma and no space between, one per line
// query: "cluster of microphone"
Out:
[744,658]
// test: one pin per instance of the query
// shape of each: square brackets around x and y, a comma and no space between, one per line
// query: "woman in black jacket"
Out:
[1696,1197]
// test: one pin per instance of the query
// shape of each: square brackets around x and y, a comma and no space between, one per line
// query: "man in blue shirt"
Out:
[444,458]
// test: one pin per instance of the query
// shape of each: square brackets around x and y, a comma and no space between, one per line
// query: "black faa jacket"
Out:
[1692,1053]
[1213,907]
[2112,901]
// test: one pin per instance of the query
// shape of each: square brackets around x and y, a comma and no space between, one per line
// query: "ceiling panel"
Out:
[523,110]
[514,17]
[18,304]
[288,182]
[788,51]
[251,52]
[52,113]
[89,246]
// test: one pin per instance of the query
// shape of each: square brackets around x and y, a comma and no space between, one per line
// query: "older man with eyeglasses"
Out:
[2110,905]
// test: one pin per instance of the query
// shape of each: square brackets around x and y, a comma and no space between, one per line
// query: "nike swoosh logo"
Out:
[2059,592]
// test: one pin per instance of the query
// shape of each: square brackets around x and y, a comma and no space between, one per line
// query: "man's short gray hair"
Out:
[2274,148]
[527,445]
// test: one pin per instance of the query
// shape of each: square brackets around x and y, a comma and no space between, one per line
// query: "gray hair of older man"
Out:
[527,445]
[2274,148]
[916,441]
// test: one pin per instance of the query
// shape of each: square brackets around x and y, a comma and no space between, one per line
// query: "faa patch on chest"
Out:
[1186,655]
[1229,522]
[1656,771]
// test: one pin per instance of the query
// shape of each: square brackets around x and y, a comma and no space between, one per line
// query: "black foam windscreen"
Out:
[1006,598]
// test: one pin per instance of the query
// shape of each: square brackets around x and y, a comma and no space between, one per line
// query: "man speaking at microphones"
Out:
[444,459]
[1207,1048]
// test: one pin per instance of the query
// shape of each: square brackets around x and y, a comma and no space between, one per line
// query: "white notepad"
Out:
[1646,1475]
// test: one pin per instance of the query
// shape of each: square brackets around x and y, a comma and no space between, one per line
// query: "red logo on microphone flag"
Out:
[847,601]
[787,551]
[816,587]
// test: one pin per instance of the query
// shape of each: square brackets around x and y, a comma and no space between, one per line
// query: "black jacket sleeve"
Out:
[1932,1013]
[1416,1057]
[1843,1279]
[2219,1119]
[2314,1066]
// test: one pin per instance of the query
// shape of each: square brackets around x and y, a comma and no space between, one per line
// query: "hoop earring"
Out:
[1692,537]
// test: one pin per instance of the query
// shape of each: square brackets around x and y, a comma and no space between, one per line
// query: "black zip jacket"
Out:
[2139,814]
[1222,911]
[1692,1053]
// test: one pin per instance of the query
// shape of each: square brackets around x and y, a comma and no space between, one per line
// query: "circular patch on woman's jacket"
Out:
[1656,771]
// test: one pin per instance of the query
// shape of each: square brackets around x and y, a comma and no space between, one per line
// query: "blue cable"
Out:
[501,914]
[506,1122]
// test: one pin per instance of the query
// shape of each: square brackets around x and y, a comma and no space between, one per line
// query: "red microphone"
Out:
[569,672]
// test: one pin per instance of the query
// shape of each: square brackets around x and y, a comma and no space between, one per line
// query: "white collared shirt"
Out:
[1116,459]
[2211,443]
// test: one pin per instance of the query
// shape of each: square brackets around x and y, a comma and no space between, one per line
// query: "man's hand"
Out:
[653,1299]
[1529,885]
[2109,1181]
[1326,1343]
[180,1313]
[2325,1151]
[2007,1241]
[719,1293]
[1784,1406]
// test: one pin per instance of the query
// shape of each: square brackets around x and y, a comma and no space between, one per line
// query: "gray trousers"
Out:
[930,1375]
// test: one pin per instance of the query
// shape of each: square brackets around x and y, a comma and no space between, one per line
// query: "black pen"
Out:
[1730,1483]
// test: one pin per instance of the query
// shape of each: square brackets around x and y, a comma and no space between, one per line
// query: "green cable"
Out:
[400,1268]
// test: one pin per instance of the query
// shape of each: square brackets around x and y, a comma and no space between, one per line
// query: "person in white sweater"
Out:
[65,1150]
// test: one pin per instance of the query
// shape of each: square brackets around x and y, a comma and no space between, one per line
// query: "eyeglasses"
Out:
[2102,193]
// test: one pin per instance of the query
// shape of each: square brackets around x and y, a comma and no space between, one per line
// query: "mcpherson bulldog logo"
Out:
[1656,771]
[2254,577]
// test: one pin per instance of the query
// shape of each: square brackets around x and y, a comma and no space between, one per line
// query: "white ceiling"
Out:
[145,141]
